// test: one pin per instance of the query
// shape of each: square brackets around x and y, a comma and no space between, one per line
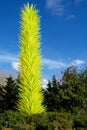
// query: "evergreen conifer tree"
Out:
[48,96]
[10,96]
[54,85]
[52,95]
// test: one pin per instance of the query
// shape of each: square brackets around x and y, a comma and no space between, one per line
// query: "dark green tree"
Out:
[2,93]
[83,89]
[48,96]
[69,95]
[74,90]
[52,96]
[69,89]
[10,97]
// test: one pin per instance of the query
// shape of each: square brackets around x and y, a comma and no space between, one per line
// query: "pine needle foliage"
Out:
[30,90]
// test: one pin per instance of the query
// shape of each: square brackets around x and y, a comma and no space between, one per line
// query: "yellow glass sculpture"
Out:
[30,59]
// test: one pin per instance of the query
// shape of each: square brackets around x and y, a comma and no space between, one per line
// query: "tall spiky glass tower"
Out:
[30,59]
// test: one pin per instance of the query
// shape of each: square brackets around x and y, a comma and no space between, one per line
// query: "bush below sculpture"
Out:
[44,121]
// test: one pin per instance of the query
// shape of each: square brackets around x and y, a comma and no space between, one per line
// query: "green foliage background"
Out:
[66,104]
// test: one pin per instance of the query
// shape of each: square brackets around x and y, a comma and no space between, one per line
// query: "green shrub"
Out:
[80,121]
[51,121]
[44,121]
[15,118]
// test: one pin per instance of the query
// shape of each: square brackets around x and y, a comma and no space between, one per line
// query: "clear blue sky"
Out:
[63,29]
